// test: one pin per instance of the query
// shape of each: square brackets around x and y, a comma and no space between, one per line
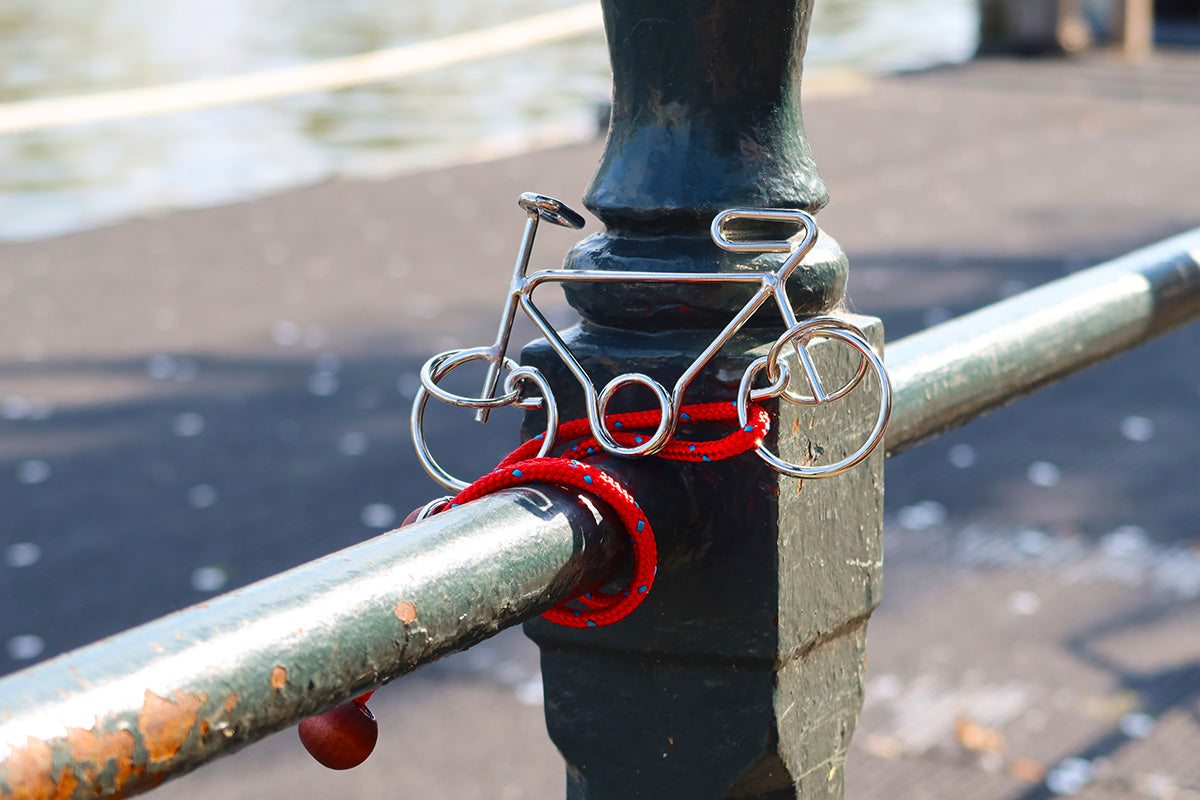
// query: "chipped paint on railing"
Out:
[119,717]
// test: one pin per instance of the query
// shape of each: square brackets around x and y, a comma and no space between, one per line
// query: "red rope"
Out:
[521,467]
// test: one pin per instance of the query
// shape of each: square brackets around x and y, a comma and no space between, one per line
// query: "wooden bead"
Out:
[342,737]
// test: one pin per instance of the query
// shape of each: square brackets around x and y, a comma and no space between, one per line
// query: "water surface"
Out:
[59,180]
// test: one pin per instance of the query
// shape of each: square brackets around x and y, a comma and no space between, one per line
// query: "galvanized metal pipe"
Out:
[120,716]
[952,373]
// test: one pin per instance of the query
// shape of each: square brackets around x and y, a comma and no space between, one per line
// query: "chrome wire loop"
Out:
[666,424]
[802,334]
[431,507]
[441,365]
[770,286]
[799,335]
[776,387]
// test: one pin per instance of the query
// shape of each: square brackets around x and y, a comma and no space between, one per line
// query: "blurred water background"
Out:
[58,180]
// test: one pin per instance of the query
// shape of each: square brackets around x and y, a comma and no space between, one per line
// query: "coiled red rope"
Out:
[344,736]
[596,608]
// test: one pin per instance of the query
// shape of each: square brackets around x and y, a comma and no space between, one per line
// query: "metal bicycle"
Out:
[771,285]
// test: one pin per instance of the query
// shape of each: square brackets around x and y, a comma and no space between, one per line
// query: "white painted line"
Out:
[338,73]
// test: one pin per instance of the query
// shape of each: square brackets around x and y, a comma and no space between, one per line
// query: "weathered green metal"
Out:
[952,373]
[706,116]
[741,674]
[121,716]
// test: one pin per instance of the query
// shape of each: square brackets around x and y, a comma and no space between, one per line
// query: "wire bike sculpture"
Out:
[771,285]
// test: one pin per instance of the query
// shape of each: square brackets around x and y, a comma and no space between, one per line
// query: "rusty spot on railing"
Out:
[92,751]
[278,678]
[165,724]
[101,761]
[406,612]
[29,772]
[66,785]
[230,703]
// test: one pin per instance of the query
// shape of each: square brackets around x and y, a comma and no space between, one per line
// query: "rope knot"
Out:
[594,607]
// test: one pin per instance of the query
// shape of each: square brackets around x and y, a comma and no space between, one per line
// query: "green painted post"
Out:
[741,676]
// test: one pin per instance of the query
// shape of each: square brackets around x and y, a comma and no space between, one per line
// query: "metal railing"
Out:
[125,714]
[784,651]
[952,373]
[122,715]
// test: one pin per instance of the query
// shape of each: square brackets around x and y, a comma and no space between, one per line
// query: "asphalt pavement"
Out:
[193,402]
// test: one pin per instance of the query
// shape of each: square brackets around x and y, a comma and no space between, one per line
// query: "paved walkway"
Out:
[194,402]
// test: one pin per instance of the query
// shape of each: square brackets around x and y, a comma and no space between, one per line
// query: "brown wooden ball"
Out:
[342,737]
